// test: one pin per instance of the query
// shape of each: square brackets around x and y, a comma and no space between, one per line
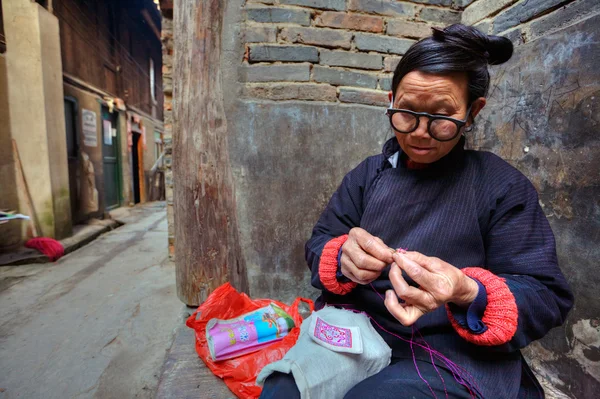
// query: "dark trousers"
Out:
[397,381]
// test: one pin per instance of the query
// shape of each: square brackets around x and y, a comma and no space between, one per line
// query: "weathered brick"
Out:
[443,15]
[318,36]
[367,23]
[353,60]
[273,53]
[521,12]
[390,63]
[337,5]
[258,34]
[167,84]
[462,3]
[292,91]
[383,7]
[401,27]
[484,26]
[382,44]
[515,35]
[482,9]
[434,2]
[278,15]
[261,1]
[364,96]
[385,82]
[341,77]
[572,12]
[274,73]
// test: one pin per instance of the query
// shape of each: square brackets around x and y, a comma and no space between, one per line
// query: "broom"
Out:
[50,247]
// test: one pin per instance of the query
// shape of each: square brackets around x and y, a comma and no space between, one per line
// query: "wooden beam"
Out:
[151,23]
[207,248]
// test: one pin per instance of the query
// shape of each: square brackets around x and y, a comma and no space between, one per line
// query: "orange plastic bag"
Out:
[240,373]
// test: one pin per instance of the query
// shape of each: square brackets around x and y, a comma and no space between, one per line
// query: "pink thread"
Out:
[455,369]
[412,335]
[377,292]
[433,361]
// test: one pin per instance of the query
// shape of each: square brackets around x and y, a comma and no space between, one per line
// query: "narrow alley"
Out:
[98,322]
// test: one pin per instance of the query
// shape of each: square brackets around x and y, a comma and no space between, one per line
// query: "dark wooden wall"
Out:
[109,43]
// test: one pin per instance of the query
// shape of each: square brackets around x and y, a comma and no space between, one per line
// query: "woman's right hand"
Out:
[364,256]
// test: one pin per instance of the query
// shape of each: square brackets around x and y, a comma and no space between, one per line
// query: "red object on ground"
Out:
[50,247]
[240,373]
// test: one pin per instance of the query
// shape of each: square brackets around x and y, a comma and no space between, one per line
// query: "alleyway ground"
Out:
[98,322]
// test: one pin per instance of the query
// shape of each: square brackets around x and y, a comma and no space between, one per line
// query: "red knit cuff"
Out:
[328,267]
[501,314]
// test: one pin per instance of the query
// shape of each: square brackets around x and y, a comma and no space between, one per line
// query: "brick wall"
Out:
[167,70]
[332,50]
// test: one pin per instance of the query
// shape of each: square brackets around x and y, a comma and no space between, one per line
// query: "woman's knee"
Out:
[280,385]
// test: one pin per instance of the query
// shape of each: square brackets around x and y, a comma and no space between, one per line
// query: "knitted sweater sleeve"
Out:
[527,293]
[343,212]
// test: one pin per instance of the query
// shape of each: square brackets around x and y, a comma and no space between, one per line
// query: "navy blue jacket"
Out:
[470,208]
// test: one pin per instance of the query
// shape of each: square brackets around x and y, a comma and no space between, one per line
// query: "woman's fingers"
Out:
[430,263]
[373,246]
[356,274]
[405,314]
[418,273]
[364,260]
[438,281]
[411,295]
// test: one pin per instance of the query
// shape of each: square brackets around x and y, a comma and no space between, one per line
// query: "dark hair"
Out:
[457,48]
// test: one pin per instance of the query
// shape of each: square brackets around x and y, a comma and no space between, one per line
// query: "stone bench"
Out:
[184,375]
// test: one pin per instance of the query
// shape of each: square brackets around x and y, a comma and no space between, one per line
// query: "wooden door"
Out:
[110,159]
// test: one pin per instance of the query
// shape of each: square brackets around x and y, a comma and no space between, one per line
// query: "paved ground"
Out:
[97,323]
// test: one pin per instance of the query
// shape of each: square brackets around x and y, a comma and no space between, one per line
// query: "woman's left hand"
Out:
[439,283]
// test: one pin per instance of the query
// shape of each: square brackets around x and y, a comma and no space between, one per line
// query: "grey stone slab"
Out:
[352,60]
[272,53]
[340,77]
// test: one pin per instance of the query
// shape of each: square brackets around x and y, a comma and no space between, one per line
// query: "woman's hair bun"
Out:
[494,49]
[499,48]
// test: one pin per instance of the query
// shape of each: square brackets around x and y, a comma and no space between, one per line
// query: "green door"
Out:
[111,160]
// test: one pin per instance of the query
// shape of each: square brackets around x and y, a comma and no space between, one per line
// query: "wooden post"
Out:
[207,249]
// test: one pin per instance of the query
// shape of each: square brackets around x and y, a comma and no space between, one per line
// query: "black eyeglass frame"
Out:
[431,117]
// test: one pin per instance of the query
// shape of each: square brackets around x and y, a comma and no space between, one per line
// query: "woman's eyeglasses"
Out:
[441,128]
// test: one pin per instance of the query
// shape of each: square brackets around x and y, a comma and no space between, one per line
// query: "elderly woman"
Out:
[479,279]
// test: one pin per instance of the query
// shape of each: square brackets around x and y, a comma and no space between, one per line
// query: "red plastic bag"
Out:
[240,373]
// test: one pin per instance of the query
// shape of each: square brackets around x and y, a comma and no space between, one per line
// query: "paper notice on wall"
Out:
[90,137]
[107,129]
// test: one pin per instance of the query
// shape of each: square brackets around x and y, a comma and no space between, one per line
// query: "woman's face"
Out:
[435,94]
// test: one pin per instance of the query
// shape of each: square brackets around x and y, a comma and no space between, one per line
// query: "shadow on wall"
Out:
[544,120]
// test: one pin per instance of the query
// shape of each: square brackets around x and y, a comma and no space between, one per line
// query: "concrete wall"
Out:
[37,113]
[307,82]
[55,122]
[542,118]
[90,175]
[10,233]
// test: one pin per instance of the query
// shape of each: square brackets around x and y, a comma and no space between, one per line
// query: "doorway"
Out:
[111,159]
[72,156]
[135,160]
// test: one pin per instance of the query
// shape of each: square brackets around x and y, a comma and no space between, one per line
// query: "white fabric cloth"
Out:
[336,350]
